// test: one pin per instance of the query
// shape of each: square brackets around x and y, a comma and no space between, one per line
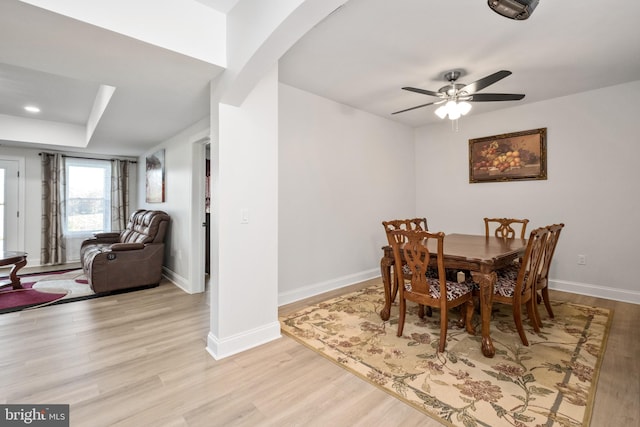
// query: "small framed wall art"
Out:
[509,157]
[155,177]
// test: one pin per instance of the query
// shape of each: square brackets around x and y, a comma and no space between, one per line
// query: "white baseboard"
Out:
[322,287]
[622,295]
[615,294]
[225,347]
[177,280]
[33,262]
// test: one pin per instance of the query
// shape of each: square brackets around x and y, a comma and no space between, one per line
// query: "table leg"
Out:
[15,280]
[486,282]
[385,268]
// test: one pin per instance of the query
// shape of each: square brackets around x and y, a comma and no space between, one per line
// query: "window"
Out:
[88,197]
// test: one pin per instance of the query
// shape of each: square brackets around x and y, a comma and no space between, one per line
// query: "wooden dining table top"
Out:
[476,252]
[478,248]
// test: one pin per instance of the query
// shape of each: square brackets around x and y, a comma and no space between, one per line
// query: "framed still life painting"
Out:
[509,157]
[155,177]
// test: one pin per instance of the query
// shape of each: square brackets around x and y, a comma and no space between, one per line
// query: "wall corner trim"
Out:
[225,347]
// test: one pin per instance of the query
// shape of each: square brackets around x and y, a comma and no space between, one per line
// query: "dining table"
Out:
[482,256]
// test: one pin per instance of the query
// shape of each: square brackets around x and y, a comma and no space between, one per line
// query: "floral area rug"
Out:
[552,382]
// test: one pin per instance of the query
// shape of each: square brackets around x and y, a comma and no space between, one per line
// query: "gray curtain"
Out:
[53,249]
[119,194]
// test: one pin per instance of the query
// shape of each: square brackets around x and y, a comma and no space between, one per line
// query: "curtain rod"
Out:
[90,158]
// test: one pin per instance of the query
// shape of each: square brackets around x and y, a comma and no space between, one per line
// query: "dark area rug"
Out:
[44,289]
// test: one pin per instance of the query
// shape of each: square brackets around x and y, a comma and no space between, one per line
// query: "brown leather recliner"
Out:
[129,259]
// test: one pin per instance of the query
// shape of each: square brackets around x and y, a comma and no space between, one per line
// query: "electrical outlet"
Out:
[582,260]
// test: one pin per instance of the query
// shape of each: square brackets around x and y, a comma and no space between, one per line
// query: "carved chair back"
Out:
[531,263]
[404,224]
[413,245]
[543,280]
[503,227]
[550,248]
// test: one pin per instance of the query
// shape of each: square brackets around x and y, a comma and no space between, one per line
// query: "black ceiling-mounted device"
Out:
[514,9]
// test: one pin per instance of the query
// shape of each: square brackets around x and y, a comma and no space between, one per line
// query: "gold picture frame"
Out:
[516,156]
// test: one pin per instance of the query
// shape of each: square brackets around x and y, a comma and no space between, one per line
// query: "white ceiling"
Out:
[59,63]
[365,52]
[361,56]
[223,6]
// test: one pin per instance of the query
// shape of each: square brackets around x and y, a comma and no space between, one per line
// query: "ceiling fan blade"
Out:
[488,97]
[485,81]
[423,91]
[413,108]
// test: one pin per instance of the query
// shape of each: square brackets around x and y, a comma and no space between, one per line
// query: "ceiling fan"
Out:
[456,96]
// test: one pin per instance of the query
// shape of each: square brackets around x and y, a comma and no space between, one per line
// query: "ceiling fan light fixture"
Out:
[464,107]
[453,109]
[456,97]
[454,114]
[513,9]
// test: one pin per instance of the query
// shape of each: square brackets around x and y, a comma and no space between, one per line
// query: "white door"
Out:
[9,213]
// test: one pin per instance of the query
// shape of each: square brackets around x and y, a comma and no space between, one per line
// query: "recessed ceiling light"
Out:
[32,109]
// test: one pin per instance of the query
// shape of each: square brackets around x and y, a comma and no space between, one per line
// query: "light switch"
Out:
[244,216]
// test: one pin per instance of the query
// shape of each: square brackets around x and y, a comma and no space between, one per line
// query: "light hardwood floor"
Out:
[139,359]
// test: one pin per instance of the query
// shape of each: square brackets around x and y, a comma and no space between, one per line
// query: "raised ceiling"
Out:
[59,63]
[366,51]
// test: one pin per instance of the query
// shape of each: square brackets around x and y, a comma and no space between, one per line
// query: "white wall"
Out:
[341,173]
[178,200]
[593,184]
[244,281]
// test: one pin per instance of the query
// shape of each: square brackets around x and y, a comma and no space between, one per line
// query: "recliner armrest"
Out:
[107,235]
[100,239]
[118,247]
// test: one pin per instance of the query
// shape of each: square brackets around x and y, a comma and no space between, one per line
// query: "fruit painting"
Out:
[508,157]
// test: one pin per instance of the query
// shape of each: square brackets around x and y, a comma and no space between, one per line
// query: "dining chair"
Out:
[542,285]
[404,224]
[503,227]
[522,290]
[425,290]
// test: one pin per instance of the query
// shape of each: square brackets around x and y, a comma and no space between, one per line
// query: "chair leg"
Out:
[422,312]
[547,303]
[517,318]
[443,330]
[537,319]
[534,316]
[403,310]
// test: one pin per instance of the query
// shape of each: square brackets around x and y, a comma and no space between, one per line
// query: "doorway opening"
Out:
[10,221]
[207,215]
